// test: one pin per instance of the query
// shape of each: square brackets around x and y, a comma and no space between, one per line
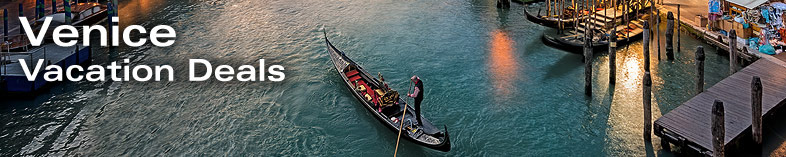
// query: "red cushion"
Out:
[368,91]
[352,73]
[352,79]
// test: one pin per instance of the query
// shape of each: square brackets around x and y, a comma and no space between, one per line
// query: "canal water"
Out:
[488,78]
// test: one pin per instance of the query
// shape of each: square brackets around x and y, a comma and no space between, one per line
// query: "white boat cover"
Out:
[750,4]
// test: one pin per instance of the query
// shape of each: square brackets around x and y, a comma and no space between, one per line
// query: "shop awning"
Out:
[750,4]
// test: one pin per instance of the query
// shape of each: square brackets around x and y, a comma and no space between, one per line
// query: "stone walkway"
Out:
[688,9]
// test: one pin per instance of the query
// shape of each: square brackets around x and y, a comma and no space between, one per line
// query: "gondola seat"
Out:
[354,78]
[352,73]
[366,91]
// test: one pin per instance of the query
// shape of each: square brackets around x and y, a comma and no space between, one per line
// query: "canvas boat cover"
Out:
[750,4]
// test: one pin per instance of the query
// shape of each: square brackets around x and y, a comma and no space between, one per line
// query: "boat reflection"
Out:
[503,67]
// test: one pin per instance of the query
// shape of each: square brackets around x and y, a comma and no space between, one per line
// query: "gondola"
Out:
[553,21]
[574,42]
[522,2]
[370,92]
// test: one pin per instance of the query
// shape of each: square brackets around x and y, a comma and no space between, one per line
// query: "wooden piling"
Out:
[699,69]
[646,46]
[587,65]
[657,29]
[732,51]
[670,36]
[756,95]
[679,24]
[613,57]
[504,4]
[548,8]
[718,129]
[647,106]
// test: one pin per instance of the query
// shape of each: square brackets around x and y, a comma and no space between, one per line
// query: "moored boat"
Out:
[385,105]
[574,43]
[87,13]
[554,21]
[82,14]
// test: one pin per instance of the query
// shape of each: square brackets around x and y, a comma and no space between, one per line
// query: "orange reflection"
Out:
[502,64]
[135,8]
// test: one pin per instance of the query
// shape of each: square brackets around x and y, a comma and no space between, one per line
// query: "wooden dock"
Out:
[12,78]
[689,125]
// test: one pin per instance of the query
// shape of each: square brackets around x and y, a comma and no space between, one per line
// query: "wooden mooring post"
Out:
[504,4]
[647,106]
[756,95]
[587,65]
[647,89]
[646,46]
[657,29]
[613,57]
[699,69]
[718,129]
[732,52]
[679,25]
[670,36]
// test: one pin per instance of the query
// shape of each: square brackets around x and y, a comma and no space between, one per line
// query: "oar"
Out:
[401,126]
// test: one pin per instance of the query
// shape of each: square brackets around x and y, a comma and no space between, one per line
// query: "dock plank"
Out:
[691,120]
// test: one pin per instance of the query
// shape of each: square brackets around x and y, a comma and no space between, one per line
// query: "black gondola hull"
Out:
[578,47]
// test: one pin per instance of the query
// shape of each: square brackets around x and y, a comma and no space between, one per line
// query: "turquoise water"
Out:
[488,77]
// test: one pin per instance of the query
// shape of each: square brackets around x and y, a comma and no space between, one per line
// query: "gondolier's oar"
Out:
[401,126]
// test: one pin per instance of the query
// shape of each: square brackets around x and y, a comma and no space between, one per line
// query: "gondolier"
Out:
[418,95]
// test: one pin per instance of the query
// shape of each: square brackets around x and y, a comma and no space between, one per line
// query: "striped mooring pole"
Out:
[41,12]
[54,6]
[67,11]
[36,9]
[110,11]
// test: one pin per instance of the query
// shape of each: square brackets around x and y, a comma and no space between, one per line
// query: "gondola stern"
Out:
[445,145]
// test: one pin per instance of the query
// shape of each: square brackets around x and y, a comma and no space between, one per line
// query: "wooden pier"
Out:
[13,79]
[689,125]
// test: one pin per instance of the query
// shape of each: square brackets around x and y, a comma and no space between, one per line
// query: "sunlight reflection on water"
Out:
[502,64]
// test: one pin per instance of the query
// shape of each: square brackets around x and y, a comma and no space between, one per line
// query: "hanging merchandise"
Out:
[765,13]
[775,14]
[767,49]
[753,43]
[778,5]
[714,6]
[739,19]
[782,32]
[752,16]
